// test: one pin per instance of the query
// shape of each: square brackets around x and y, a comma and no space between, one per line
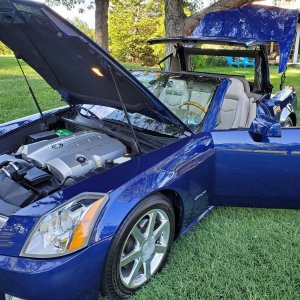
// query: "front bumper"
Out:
[76,276]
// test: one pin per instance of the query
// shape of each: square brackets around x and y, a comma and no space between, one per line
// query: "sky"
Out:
[88,16]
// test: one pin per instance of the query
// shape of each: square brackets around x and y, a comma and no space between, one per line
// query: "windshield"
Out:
[138,120]
[187,96]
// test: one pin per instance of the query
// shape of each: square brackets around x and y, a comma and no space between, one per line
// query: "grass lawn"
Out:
[232,254]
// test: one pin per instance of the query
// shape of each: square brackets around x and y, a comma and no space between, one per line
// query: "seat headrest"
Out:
[235,89]
[176,87]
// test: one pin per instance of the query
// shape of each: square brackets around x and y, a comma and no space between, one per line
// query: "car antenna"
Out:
[32,93]
[124,109]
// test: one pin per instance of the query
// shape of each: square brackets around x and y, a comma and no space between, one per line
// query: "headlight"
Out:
[65,229]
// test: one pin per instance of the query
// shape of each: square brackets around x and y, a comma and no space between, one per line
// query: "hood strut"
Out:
[124,109]
[32,93]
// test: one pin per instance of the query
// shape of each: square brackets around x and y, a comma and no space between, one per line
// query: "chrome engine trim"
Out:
[75,155]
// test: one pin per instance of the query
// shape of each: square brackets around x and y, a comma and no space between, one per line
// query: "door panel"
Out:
[251,174]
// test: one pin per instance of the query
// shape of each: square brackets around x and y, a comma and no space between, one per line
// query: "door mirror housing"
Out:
[264,126]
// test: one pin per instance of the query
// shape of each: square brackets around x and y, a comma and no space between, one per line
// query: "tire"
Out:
[288,123]
[136,239]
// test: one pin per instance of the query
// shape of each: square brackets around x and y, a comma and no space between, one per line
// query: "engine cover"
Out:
[74,155]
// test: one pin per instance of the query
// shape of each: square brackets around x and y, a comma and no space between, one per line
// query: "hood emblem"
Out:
[57,146]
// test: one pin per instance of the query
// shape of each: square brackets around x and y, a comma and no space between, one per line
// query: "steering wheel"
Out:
[193,103]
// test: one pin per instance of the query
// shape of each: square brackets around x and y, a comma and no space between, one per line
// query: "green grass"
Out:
[232,254]
[16,101]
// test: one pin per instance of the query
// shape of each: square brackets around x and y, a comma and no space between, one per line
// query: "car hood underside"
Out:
[72,64]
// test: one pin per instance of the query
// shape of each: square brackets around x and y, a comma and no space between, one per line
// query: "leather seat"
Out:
[175,93]
[236,107]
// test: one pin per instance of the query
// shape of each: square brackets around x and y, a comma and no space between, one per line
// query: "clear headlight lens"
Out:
[65,229]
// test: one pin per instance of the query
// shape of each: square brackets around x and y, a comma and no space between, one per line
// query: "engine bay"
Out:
[53,160]
[42,158]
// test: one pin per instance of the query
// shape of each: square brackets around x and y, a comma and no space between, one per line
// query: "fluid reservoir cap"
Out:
[81,159]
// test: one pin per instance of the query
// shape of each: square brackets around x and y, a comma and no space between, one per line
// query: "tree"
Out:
[177,23]
[83,26]
[101,16]
[101,22]
[131,24]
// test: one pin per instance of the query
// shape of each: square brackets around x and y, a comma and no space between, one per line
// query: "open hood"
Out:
[268,24]
[71,63]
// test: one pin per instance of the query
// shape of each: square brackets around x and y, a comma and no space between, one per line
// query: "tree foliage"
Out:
[131,24]
[84,27]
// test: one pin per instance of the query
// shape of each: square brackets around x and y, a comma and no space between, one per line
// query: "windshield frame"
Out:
[186,131]
[187,75]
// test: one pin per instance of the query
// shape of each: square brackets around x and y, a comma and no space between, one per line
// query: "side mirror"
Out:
[263,127]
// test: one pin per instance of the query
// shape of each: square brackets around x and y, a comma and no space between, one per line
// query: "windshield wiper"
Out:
[180,127]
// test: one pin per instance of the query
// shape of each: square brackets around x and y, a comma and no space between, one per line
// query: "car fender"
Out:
[174,173]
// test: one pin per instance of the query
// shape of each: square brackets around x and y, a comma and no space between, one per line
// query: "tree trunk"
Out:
[178,24]
[174,17]
[174,20]
[101,23]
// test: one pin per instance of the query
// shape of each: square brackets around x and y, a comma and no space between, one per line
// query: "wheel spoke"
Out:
[147,269]
[134,271]
[161,229]
[145,248]
[160,249]
[138,235]
[127,259]
[151,223]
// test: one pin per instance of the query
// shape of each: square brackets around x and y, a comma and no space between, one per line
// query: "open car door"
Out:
[257,174]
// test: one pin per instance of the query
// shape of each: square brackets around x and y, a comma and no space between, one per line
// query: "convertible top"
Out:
[247,26]
[268,24]
[190,40]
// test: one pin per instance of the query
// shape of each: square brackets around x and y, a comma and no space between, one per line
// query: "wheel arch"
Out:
[177,204]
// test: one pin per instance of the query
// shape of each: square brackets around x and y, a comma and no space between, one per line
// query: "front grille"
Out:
[3,220]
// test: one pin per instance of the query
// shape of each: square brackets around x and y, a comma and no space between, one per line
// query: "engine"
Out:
[45,166]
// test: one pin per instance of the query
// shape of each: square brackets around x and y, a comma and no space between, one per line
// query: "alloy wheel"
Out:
[145,248]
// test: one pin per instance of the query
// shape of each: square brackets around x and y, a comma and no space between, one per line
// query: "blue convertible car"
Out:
[92,195]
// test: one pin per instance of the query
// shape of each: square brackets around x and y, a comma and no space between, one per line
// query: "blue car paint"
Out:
[263,127]
[247,172]
[187,167]
[253,22]
[213,114]
[197,168]
[76,276]
[140,177]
